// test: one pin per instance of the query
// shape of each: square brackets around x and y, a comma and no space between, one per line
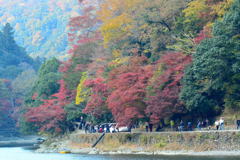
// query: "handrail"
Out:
[99,139]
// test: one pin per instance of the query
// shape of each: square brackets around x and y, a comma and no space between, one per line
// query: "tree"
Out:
[116,19]
[200,13]
[23,83]
[207,81]
[127,86]
[46,84]
[8,34]
[96,104]
[40,96]
[12,56]
[164,87]
[84,38]
[50,116]
[6,105]
[140,27]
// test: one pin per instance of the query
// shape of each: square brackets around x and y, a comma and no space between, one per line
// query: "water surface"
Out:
[21,154]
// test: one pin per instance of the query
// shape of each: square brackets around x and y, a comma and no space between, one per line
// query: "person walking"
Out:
[238,124]
[150,127]
[181,126]
[86,128]
[199,125]
[217,125]
[221,121]
[189,126]
[146,126]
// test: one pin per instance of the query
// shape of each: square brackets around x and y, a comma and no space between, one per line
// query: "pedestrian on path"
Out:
[181,126]
[189,126]
[217,124]
[221,125]
[146,126]
[238,124]
[199,125]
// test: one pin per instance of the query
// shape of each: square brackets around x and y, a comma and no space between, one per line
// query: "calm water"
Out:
[21,154]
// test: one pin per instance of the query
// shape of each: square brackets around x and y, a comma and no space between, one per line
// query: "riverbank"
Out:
[165,143]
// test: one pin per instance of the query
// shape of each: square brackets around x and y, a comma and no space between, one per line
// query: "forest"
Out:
[132,61]
[42,27]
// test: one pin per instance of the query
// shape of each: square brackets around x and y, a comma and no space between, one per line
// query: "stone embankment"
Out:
[181,143]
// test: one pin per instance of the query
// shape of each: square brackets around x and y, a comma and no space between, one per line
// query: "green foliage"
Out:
[78,63]
[13,58]
[27,127]
[215,67]
[47,81]
[74,112]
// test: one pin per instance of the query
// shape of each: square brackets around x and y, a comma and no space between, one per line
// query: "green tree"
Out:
[214,73]
[12,56]
[46,83]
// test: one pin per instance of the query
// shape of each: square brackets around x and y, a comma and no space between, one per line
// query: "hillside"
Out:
[13,58]
[40,26]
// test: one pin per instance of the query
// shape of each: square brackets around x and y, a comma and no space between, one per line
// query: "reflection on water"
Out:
[21,154]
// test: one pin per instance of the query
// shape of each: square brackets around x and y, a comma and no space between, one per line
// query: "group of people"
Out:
[219,124]
[88,127]
[185,126]
[189,126]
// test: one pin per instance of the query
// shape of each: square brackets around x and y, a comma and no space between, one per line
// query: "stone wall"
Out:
[128,143]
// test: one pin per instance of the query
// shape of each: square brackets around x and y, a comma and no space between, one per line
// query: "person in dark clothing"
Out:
[181,126]
[86,128]
[107,128]
[150,127]
[92,129]
[238,124]
[189,126]
[146,126]
[158,129]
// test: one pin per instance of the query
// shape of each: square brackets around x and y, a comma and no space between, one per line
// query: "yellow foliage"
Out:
[221,7]
[115,28]
[116,53]
[117,18]
[194,8]
[119,61]
[82,91]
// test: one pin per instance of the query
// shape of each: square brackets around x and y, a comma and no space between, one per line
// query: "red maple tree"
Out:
[163,98]
[127,85]
[96,104]
[50,115]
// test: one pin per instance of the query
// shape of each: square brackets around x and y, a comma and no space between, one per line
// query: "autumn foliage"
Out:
[127,61]
[96,104]
[163,93]
[128,90]
[50,115]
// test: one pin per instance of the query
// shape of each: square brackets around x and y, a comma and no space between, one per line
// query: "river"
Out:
[22,154]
